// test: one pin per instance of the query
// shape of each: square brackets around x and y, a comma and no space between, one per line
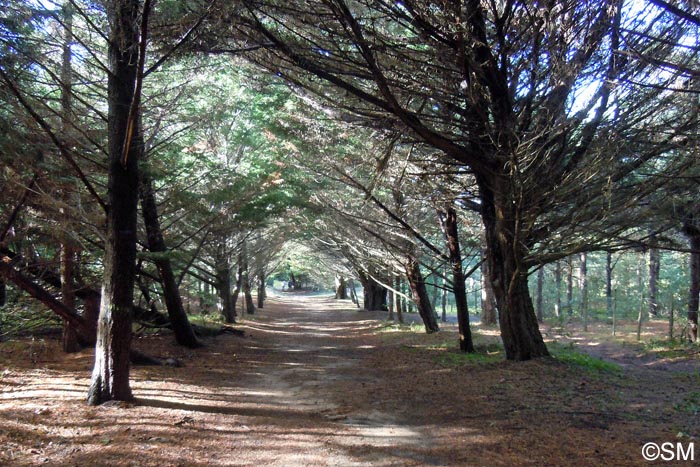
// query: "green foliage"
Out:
[578,359]
[483,354]
[690,404]
[669,348]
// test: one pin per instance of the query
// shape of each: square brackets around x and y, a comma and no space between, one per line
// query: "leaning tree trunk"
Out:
[110,376]
[184,334]
[509,276]
[420,295]
[398,306]
[449,221]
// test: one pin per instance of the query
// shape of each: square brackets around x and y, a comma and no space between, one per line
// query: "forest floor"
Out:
[315,382]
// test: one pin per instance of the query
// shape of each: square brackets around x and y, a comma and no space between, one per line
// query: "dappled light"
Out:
[349,233]
[316,383]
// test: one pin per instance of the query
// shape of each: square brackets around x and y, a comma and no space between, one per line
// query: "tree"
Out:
[499,88]
[449,221]
[110,376]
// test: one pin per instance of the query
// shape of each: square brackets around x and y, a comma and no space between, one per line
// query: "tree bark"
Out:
[8,272]
[583,285]
[262,294]
[519,329]
[443,298]
[223,287]
[608,284]
[488,301]
[694,289]
[391,302]
[654,270]
[110,376]
[237,289]
[245,278]
[397,300]
[3,293]
[69,339]
[449,224]
[570,287]
[420,295]
[374,294]
[184,334]
[540,286]
[340,288]
[557,282]
[353,292]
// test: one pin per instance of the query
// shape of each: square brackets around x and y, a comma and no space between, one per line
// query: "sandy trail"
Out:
[313,383]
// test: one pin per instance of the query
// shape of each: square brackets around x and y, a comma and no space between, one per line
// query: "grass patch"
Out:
[446,354]
[690,404]
[669,348]
[483,354]
[391,326]
[572,357]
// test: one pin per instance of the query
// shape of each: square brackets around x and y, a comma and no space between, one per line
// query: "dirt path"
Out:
[314,383]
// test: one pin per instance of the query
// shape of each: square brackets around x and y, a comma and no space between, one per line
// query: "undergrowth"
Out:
[569,355]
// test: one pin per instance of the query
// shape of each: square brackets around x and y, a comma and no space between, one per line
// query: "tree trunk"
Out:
[223,287]
[570,288]
[436,289]
[374,294]
[557,282]
[390,305]
[443,298]
[262,294]
[406,304]
[110,376]
[340,288]
[488,301]
[3,293]
[420,295]
[583,285]
[237,289]
[8,272]
[519,330]
[397,299]
[694,291]
[449,224]
[540,285]
[353,292]
[245,278]
[608,284]
[184,335]
[654,270]
[69,340]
